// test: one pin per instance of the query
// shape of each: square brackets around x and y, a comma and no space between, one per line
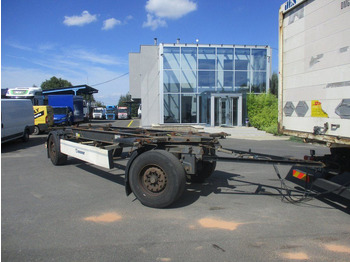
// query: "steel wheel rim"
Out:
[153,179]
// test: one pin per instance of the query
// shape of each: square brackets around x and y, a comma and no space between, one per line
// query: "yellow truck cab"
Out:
[43,118]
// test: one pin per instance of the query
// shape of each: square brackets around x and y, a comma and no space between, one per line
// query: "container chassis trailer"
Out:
[160,162]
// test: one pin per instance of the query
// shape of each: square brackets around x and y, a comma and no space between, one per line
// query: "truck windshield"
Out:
[60,110]
[122,111]
[98,111]
[110,111]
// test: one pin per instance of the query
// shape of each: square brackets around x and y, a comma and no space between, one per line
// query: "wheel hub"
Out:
[154,179]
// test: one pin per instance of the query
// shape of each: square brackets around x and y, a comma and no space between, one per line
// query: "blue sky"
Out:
[88,41]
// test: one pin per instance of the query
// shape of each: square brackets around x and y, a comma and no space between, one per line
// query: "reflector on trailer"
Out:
[301,175]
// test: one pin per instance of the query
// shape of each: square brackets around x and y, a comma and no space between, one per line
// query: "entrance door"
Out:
[226,111]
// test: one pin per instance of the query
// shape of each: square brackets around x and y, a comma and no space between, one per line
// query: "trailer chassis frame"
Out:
[152,156]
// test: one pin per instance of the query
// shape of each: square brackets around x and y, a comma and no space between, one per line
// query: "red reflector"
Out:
[300,175]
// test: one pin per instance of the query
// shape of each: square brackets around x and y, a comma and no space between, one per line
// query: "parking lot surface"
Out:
[79,212]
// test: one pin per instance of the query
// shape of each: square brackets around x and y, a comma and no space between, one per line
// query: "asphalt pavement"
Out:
[79,212]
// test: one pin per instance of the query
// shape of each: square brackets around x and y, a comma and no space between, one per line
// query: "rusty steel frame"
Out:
[189,146]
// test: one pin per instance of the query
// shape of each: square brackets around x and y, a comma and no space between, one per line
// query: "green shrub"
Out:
[263,112]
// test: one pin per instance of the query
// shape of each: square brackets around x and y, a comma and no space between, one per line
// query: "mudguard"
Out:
[133,156]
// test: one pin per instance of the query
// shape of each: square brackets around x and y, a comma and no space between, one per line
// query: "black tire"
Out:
[25,137]
[36,130]
[204,170]
[157,178]
[57,158]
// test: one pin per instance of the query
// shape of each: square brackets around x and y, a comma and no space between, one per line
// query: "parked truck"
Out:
[33,93]
[99,113]
[111,112]
[123,113]
[314,77]
[43,119]
[72,102]
[63,116]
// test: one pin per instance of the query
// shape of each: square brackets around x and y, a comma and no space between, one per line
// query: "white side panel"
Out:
[16,115]
[149,80]
[93,155]
[315,67]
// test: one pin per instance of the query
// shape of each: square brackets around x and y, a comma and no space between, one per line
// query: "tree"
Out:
[100,104]
[274,84]
[123,99]
[127,101]
[88,97]
[55,82]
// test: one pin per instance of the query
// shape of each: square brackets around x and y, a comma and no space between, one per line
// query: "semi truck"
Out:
[123,113]
[111,112]
[72,102]
[99,113]
[314,79]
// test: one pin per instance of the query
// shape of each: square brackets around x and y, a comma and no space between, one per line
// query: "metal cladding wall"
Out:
[149,68]
[134,75]
[314,68]
[144,82]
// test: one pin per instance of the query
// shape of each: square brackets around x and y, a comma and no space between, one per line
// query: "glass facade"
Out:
[190,74]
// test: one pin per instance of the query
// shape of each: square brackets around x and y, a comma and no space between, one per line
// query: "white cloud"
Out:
[154,23]
[160,10]
[67,54]
[47,46]
[129,17]
[110,23]
[18,46]
[17,77]
[169,8]
[75,64]
[83,19]
[97,58]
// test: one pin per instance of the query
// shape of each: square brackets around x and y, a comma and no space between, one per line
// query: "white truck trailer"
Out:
[314,70]
[314,82]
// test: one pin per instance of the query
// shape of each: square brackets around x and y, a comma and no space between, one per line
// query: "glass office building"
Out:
[207,84]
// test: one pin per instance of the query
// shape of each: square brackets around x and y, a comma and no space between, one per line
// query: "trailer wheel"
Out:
[57,158]
[157,178]
[204,170]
